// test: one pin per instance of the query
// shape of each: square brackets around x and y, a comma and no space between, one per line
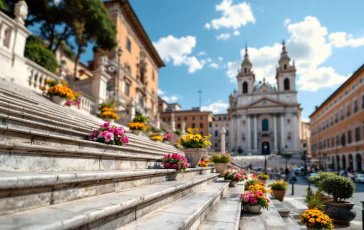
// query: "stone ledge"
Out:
[77,213]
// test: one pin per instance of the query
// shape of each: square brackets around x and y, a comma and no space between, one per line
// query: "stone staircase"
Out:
[52,177]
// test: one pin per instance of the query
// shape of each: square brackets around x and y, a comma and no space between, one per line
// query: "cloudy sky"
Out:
[202,43]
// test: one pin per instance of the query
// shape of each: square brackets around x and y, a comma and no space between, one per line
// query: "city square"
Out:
[221,114]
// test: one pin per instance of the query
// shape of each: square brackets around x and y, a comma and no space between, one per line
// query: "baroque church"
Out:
[265,119]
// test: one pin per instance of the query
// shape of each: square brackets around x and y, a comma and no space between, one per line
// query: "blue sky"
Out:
[201,42]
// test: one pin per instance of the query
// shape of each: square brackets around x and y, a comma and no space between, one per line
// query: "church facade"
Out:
[265,119]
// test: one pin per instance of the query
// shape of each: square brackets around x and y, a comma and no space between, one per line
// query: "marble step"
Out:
[186,213]
[27,124]
[29,190]
[226,214]
[107,211]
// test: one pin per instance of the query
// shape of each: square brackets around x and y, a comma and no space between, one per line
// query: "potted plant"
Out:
[341,188]
[194,145]
[137,127]
[141,119]
[258,187]
[316,219]
[157,138]
[203,164]
[250,182]
[263,178]
[58,91]
[317,180]
[254,201]
[175,161]
[220,161]
[109,135]
[167,138]
[313,200]
[279,188]
[234,176]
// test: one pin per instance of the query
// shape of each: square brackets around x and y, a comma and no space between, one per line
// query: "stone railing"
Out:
[124,118]
[88,105]
[83,86]
[37,75]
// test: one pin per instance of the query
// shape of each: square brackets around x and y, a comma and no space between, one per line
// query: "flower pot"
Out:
[220,167]
[253,209]
[59,100]
[109,120]
[232,183]
[342,213]
[193,156]
[173,176]
[278,194]
[326,198]
[137,132]
[262,182]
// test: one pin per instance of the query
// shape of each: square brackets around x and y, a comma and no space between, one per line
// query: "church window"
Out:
[289,136]
[285,66]
[245,70]
[265,125]
[286,84]
[243,137]
[245,87]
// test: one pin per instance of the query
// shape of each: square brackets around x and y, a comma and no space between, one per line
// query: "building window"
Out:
[336,117]
[357,134]
[332,142]
[224,118]
[219,118]
[343,139]
[216,133]
[348,110]
[245,87]
[362,101]
[346,92]
[201,118]
[126,89]
[337,140]
[193,125]
[201,125]
[355,105]
[245,70]
[265,125]
[286,84]
[349,136]
[201,133]
[128,44]
[153,75]
[342,114]
[178,118]
[169,119]
[141,100]
[227,133]
[215,145]
[178,126]
[285,66]
[193,118]
[164,119]
[152,106]
[289,136]
[288,121]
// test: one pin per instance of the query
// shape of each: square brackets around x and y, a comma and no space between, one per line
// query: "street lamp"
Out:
[305,156]
[119,53]
[265,158]
[285,155]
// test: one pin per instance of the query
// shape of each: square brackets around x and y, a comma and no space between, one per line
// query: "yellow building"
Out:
[337,126]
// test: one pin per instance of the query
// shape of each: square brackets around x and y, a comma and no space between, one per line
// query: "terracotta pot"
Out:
[59,100]
[253,209]
[109,120]
[173,176]
[342,213]
[220,167]
[193,156]
[262,182]
[232,183]
[137,132]
[278,194]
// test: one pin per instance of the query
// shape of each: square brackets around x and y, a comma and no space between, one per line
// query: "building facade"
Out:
[337,126]
[265,119]
[220,121]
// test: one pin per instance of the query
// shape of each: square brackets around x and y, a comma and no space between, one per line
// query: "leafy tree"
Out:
[240,150]
[6,9]
[35,51]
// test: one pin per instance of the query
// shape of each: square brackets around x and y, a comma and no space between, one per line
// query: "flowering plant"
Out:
[263,177]
[203,164]
[250,198]
[175,161]
[110,135]
[258,187]
[316,219]
[194,140]
[137,126]
[250,182]
[220,158]
[157,138]
[61,89]
[234,175]
[109,113]
[168,137]
[279,185]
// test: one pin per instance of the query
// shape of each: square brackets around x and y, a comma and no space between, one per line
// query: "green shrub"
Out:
[220,158]
[341,188]
[35,51]
[313,200]
[141,119]
[177,132]
[163,130]
[316,180]
[279,185]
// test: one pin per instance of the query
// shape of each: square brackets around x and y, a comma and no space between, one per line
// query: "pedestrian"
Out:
[341,173]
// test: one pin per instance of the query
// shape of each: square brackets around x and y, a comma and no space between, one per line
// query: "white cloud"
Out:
[178,50]
[220,58]
[209,60]
[233,16]
[308,45]
[342,39]
[287,21]
[216,107]
[214,65]
[170,99]
[236,32]
[160,92]
[223,36]
[202,53]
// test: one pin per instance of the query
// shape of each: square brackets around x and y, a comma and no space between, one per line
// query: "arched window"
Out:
[265,125]
[245,70]
[286,84]
[245,87]
[216,133]
[285,66]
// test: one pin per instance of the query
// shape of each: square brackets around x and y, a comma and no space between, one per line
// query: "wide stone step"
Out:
[226,214]
[109,211]
[23,191]
[186,213]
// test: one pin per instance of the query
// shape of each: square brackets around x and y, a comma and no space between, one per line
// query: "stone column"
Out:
[275,133]
[173,123]
[99,81]
[158,121]
[238,133]
[282,132]
[255,134]
[132,110]
[183,131]
[223,133]
[248,136]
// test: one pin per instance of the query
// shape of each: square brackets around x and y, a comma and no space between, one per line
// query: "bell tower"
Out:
[286,73]
[246,77]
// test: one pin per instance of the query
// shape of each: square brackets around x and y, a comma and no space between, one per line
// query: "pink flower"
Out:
[91,136]
[102,134]
[119,131]
[167,165]
[125,139]
[106,125]
[174,166]
[109,136]
[111,130]
[253,200]
[246,198]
